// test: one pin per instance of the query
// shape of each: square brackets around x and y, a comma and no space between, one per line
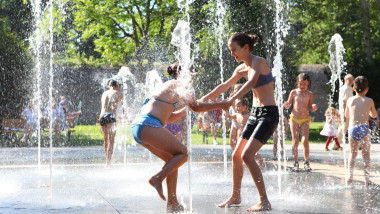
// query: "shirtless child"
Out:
[303,102]
[110,100]
[241,117]
[358,110]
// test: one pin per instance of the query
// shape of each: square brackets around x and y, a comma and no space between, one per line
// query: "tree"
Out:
[15,60]
[123,30]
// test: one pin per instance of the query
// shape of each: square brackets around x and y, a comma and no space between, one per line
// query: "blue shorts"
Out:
[358,132]
[140,122]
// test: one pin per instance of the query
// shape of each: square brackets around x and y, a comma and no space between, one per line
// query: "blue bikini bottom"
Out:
[140,122]
[358,132]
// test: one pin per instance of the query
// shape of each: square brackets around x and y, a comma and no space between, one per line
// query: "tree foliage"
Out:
[124,30]
[314,22]
[15,60]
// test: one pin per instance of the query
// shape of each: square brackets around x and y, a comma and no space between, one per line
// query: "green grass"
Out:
[90,135]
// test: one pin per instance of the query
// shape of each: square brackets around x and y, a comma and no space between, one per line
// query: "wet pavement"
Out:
[80,183]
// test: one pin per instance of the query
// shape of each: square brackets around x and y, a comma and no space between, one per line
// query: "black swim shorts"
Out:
[106,118]
[261,124]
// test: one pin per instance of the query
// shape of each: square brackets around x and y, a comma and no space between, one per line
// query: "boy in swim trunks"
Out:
[303,102]
[358,110]
[110,100]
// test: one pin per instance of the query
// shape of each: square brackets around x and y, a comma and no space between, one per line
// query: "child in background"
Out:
[330,129]
[241,117]
[358,110]
[234,125]
[303,102]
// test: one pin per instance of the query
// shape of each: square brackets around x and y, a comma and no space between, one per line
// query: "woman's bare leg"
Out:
[354,153]
[253,146]
[237,174]
[172,204]
[105,136]
[162,140]
[111,140]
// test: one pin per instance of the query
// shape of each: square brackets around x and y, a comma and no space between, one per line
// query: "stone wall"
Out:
[83,85]
[319,86]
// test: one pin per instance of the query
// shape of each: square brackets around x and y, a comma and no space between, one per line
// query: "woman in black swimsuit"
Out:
[263,120]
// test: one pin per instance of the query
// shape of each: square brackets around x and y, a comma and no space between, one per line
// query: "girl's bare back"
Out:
[359,109]
[110,100]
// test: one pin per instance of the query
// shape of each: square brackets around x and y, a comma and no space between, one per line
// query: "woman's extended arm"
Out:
[252,80]
[236,76]
[176,115]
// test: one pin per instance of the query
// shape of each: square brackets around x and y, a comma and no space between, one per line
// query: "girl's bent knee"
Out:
[236,156]
[247,157]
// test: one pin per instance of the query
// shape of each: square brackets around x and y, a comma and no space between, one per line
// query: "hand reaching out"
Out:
[287,105]
[314,107]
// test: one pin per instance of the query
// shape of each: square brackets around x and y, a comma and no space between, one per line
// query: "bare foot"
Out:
[369,183]
[174,208]
[157,184]
[261,206]
[350,180]
[230,201]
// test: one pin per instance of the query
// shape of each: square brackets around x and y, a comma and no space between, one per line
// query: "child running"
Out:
[358,110]
[303,102]
[330,129]
[241,117]
[234,125]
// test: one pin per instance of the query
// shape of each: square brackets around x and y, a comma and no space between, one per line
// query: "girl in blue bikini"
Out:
[148,130]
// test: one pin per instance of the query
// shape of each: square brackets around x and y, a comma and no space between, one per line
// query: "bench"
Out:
[9,127]
[12,125]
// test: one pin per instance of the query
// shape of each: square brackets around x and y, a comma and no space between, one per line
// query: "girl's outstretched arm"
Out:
[198,106]
[176,115]
[236,76]
[252,80]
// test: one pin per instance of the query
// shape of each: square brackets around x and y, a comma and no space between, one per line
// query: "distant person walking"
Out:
[110,101]
[30,116]
[345,92]
[330,129]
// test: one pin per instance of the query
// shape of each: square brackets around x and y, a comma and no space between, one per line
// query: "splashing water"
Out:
[281,31]
[181,38]
[337,65]
[220,14]
[36,40]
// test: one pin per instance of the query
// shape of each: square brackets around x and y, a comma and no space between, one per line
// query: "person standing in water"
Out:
[358,110]
[262,122]
[345,92]
[148,130]
[303,102]
[110,101]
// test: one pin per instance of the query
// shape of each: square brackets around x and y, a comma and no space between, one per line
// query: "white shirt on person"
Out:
[31,116]
[345,92]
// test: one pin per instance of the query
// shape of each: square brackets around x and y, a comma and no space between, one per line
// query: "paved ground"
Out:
[78,182]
